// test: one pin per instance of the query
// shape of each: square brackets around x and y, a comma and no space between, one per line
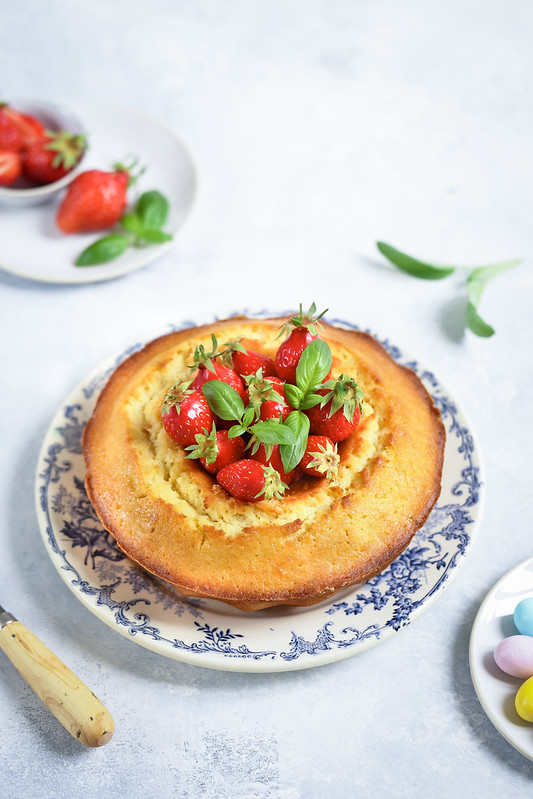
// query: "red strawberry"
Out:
[267,398]
[249,480]
[185,414]
[95,200]
[52,157]
[273,458]
[220,372]
[30,128]
[216,449]
[320,458]
[303,330]
[10,135]
[339,413]
[247,362]
[210,367]
[10,167]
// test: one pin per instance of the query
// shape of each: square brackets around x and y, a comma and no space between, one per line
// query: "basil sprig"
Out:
[477,279]
[226,403]
[141,226]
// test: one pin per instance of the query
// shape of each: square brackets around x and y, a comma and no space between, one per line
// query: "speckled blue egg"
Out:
[523,616]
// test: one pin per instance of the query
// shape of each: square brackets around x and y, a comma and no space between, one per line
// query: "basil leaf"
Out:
[103,250]
[314,365]
[291,454]
[156,236]
[293,395]
[311,400]
[272,432]
[413,266]
[152,209]
[132,224]
[475,285]
[223,400]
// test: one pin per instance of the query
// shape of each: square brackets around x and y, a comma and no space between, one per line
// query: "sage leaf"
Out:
[292,454]
[475,285]
[413,266]
[223,400]
[103,250]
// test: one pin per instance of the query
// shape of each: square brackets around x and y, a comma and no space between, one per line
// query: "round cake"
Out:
[175,519]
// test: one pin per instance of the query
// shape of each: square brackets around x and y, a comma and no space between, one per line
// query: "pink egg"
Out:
[514,656]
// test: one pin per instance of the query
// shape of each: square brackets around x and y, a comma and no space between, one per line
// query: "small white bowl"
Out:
[54,117]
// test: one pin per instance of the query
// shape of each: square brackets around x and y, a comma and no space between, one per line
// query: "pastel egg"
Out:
[523,616]
[524,700]
[514,656]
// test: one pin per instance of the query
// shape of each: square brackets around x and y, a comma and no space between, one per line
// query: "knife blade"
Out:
[73,704]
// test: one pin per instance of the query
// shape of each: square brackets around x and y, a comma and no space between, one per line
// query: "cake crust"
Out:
[172,518]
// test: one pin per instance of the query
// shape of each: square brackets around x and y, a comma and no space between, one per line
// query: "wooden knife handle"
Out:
[64,694]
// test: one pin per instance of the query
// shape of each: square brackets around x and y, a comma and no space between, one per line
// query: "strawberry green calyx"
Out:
[229,348]
[175,395]
[261,389]
[206,446]
[129,167]
[68,147]
[309,320]
[326,460]
[344,393]
[274,486]
[203,358]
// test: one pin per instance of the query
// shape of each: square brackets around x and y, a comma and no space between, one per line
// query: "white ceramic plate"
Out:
[496,690]
[212,634]
[32,246]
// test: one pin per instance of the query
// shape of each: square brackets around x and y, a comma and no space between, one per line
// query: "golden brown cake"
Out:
[171,517]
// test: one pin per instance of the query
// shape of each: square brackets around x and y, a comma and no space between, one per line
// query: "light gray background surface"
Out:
[317,129]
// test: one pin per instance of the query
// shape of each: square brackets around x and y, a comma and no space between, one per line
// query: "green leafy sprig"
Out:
[477,279]
[140,227]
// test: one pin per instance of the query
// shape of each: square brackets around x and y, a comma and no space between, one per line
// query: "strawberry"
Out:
[185,414]
[320,458]
[303,329]
[216,450]
[339,413]
[30,128]
[10,167]
[95,200]
[52,157]
[266,397]
[247,362]
[10,135]
[209,367]
[249,480]
[273,458]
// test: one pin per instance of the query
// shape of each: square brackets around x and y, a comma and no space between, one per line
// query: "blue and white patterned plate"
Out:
[212,634]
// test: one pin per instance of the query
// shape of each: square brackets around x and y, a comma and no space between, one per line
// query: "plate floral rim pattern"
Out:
[209,634]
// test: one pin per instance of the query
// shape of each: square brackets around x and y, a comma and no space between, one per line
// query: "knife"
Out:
[63,693]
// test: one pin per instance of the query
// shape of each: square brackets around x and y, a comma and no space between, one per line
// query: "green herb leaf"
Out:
[152,209]
[103,250]
[273,432]
[156,236]
[413,266]
[313,366]
[132,224]
[475,285]
[293,395]
[223,400]
[292,454]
